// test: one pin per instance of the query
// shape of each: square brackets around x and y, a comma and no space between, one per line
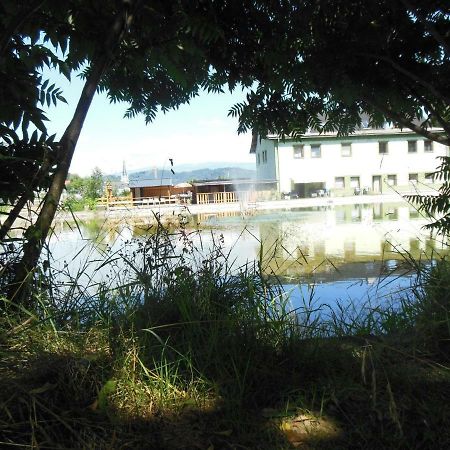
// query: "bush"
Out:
[433,321]
[74,204]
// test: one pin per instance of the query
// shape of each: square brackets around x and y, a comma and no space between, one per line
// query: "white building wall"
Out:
[365,161]
[266,170]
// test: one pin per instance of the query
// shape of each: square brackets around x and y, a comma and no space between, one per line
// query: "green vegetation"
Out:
[178,349]
[82,192]
[183,351]
[389,62]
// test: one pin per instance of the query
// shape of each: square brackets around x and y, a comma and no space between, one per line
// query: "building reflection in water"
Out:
[326,243]
[358,239]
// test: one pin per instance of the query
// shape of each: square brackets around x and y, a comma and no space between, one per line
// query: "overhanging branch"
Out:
[412,76]
[429,27]
[440,138]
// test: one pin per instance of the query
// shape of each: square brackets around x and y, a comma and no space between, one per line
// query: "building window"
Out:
[383,148]
[392,180]
[413,178]
[316,152]
[429,177]
[412,146]
[298,151]
[258,159]
[264,156]
[354,182]
[428,146]
[346,149]
[339,182]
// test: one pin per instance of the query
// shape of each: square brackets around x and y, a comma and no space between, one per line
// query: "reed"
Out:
[175,347]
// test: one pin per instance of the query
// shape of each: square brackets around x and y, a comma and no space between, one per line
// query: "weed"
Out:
[174,347]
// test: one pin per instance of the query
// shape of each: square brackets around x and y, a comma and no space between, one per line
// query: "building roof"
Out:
[150,182]
[228,182]
[254,142]
[363,132]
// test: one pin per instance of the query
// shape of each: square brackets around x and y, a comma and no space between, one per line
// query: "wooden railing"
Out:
[202,198]
[225,197]
[129,202]
[125,201]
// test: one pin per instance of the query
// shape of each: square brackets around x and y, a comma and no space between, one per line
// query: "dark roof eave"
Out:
[253,143]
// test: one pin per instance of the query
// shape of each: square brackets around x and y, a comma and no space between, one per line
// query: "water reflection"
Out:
[333,243]
[347,246]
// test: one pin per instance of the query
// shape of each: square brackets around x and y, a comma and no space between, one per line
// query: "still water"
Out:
[328,254]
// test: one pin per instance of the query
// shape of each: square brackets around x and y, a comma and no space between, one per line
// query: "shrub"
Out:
[433,321]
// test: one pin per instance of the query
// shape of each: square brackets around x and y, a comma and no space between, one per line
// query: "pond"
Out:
[321,254]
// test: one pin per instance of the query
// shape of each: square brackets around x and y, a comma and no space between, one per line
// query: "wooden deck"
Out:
[202,199]
[225,197]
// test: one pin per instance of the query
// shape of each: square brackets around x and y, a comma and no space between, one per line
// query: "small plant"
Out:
[433,316]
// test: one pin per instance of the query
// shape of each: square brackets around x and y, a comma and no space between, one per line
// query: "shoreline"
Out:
[170,212]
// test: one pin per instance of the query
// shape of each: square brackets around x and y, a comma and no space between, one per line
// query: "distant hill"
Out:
[227,173]
[213,165]
[224,173]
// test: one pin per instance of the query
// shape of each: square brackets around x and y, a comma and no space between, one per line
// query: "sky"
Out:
[196,133]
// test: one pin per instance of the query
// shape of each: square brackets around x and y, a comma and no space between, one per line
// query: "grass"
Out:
[179,349]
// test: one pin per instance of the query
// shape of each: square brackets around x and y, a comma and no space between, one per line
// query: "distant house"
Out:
[228,191]
[201,192]
[369,161]
[221,191]
[152,187]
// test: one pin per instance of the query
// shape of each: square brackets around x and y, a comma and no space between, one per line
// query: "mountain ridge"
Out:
[231,172]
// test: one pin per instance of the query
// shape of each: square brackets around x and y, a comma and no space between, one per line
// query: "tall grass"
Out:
[174,337]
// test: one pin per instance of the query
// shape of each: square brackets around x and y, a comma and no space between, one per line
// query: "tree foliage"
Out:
[307,64]
[325,64]
[90,187]
[26,161]
[94,185]
[437,206]
[338,59]
[25,165]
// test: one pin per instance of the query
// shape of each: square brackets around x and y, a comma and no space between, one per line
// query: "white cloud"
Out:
[109,152]
[196,133]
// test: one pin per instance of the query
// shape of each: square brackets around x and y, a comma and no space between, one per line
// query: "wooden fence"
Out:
[225,197]
[129,202]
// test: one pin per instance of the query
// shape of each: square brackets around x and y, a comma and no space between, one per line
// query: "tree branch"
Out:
[442,122]
[410,75]
[440,138]
[429,27]
[17,23]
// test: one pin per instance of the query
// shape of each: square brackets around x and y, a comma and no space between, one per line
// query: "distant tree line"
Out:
[83,192]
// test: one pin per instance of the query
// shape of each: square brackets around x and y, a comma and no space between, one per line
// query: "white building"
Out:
[368,161]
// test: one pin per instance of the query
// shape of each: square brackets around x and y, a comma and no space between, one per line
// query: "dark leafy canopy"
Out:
[315,63]
[26,162]
[26,167]
[22,58]
[309,63]
[324,62]
[166,58]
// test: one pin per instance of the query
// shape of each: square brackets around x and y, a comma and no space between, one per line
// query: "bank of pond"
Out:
[320,328]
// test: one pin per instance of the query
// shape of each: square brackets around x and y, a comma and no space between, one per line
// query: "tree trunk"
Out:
[12,216]
[22,201]
[37,233]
